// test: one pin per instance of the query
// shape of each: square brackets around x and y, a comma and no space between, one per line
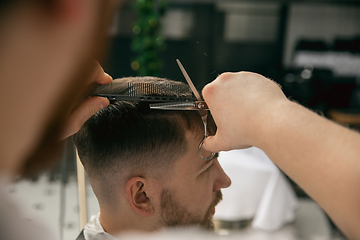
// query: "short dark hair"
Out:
[128,135]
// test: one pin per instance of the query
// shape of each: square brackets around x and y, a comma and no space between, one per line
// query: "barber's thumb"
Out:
[87,108]
[210,144]
[82,113]
[95,104]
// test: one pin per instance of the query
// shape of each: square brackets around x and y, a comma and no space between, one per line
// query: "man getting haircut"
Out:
[144,165]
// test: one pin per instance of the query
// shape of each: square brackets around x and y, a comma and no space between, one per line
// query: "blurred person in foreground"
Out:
[144,165]
[47,59]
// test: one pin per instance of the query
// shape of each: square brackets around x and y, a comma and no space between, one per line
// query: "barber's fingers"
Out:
[82,113]
[218,143]
[99,76]
[211,144]
[96,77]
[88,107]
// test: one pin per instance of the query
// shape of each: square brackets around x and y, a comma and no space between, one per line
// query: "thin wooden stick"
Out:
[81,192]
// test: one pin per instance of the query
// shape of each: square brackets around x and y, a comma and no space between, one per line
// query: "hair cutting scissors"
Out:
[199,105]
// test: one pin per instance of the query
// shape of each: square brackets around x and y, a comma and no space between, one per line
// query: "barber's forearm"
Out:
[321,156]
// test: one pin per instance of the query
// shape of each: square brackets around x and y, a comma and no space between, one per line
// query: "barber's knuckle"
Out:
[208,90]
[245,75]
[225,76]
[91,111]
[76,125]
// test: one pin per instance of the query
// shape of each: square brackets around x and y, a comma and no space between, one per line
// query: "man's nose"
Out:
[222,180]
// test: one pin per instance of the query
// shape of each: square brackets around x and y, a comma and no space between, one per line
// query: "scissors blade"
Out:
[193,89]
[198,105]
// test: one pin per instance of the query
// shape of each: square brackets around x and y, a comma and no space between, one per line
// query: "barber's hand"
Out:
[83,111]
[243,105]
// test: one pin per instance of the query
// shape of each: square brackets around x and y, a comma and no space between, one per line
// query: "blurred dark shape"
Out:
[312,45]
[355,96]
[322,77]
[317,89]
[350,44]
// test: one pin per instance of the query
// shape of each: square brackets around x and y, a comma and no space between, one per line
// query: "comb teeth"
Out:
[153,89]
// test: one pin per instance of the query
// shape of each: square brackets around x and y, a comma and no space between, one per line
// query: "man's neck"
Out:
[117,222]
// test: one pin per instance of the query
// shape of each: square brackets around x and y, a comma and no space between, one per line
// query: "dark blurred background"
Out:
[312,48]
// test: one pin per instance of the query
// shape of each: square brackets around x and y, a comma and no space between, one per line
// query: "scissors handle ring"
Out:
[204,158]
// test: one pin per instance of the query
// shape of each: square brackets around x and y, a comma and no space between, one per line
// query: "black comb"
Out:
[151,92]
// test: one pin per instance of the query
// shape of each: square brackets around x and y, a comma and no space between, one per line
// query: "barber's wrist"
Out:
[272,121]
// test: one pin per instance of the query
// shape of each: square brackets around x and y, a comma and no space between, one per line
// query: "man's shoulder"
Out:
[94,231]
[81,236]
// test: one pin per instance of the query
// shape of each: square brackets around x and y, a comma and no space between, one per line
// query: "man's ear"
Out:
[138,200]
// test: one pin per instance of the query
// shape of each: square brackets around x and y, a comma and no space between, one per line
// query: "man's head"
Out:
[144,164]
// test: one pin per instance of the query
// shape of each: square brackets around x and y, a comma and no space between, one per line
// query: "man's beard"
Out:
[174,214]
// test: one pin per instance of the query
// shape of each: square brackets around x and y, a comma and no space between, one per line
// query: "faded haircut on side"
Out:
[130,139]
